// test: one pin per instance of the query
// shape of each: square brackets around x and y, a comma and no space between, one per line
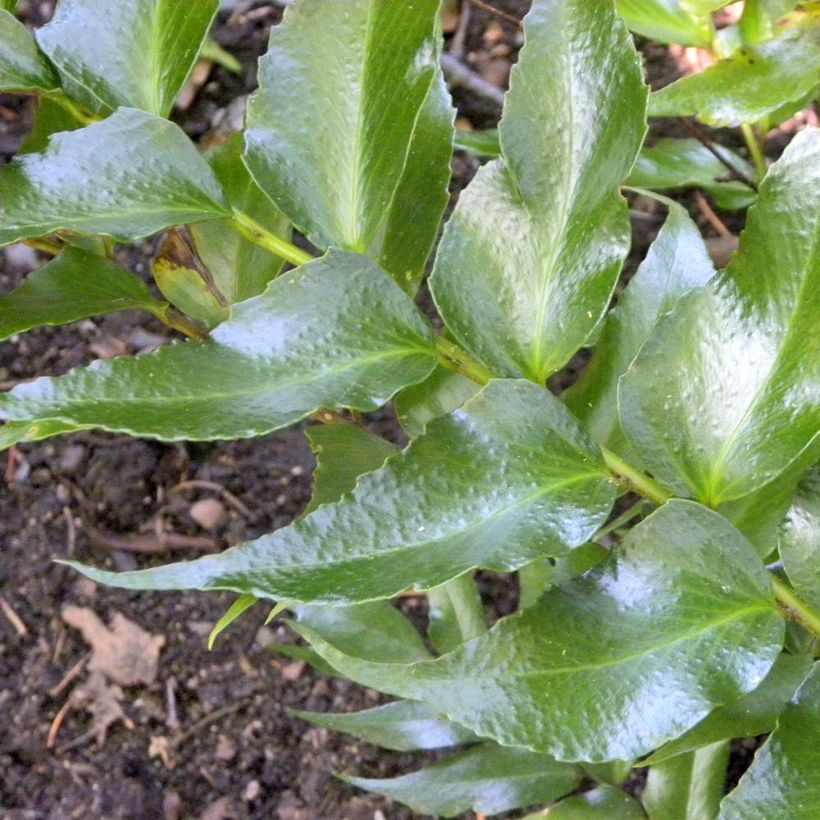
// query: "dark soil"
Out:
[234,751]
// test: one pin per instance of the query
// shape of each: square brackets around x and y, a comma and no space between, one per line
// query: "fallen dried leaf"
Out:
[102,702]
[125,654]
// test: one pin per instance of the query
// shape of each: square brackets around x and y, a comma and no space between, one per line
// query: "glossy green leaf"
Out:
[753,714]
[760,514]
[236,610]
[687,787]
[726,392]
[680,620]
[343,452]
[530,257]
[128,176]
[135,53]
[601,803]
[534,579]
[455,614]
[240,269]
[404,726]
[507,478]
[74,286]
[677,263]
[755,81]
[332,132]
[22,65]
[799,541]
[703,7]
[8,5]
[412,223]
[487,779]
[782,782]
[687,163]
[50,119]
[482,143]
[274,362]
[667,21]
[391,638]
[440,393]
[18,432]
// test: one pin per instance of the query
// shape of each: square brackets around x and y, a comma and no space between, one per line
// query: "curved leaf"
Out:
[403,725]
[753,714]
[687,163]
[799,542]
[755,81]
[341,90]
[726,392]
[488,779]
[240,269]
[782,782]
[22,65]
[343,453]
[678,622]
[509,477]
[276,360]
[71,287]
[667,21]
[135,53]
[440,393]
[530,257]
[687,787]
[677,263]
[50,119]
[128,176]
[601,803]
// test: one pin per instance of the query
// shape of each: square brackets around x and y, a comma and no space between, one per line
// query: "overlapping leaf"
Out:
[726,392]
[343,452]
[753,714]
[402,725]
[782,781]
[488,779]
[799,542]
[128,176]
[350,132]
[509,477]
[668,21]
[687,163]
[22,65]
[687,787]
[678,622]
[135,53]
[530,257]
[755,81]
[601,803]
[677,263]
[274,362]
[240,269]
[73,286]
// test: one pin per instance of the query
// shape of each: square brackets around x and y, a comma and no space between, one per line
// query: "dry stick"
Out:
[510,18]
[707,144]
[460,36]
[206,721]
[460,76]
[711,217]
[198,484]
[69,676]
[150,545]
[14,619]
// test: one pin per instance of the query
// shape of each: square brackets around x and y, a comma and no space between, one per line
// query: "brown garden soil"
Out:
[211,737]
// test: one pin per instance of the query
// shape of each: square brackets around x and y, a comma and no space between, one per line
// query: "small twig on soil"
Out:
[503,15]
[149,544]
[53,730]
[460,36]
[71,531]
[13,618]
[171,717]
[735,172]
[69,677]
[459,76]
[196,484]
[14,460]
[711,217]
[202,723]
